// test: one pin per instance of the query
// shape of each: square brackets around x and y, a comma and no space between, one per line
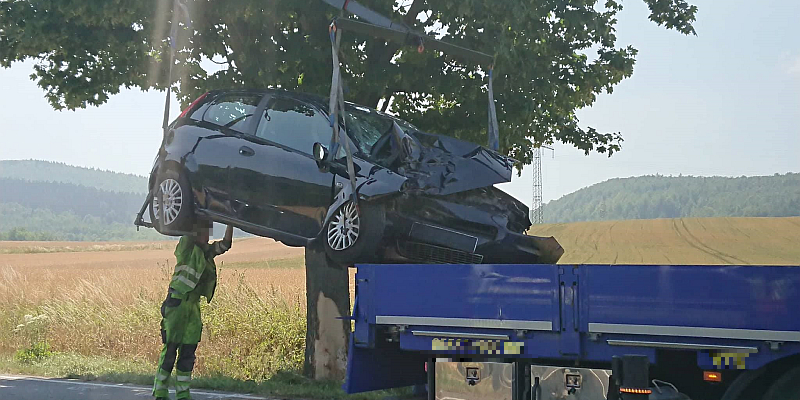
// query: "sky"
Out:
[723,103]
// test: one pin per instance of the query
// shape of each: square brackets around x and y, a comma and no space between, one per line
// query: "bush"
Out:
[37,352]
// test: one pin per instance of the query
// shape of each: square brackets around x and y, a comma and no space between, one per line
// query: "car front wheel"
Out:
[353,233]
[171,208]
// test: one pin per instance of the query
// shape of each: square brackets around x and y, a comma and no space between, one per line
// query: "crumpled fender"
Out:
[379,183]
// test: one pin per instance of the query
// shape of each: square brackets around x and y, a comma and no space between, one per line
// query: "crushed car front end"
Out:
[478,226]
[441,204]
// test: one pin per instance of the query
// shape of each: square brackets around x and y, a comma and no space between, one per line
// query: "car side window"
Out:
[293,124]
[233,111]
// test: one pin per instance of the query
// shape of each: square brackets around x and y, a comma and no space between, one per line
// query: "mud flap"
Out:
[382,368]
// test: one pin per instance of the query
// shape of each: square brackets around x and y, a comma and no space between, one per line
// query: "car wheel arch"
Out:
[171,165]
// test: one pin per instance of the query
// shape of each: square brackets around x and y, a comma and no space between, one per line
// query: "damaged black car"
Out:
[263,161]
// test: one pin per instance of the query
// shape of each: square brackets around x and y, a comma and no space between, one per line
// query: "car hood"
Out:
[437,164]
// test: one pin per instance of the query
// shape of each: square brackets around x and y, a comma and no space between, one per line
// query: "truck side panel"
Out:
[751,301]
[739,317]
[514,296]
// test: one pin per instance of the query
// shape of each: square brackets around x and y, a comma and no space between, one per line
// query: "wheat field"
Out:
[104,301]
[684,241]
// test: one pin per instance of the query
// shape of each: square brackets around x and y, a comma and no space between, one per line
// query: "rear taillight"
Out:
[191,106]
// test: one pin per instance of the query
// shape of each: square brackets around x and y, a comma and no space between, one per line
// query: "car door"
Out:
[286,191]
[217,151]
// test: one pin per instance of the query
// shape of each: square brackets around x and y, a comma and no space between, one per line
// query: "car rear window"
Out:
[233,111]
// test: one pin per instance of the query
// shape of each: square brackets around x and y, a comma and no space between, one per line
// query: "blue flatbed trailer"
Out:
[517,332]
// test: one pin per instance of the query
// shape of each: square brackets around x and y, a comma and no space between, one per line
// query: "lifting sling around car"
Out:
[381,190]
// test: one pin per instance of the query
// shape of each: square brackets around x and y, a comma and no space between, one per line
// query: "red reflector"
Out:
[635,391]
[191,106]
[709,376]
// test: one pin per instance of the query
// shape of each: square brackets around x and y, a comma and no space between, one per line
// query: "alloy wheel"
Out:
[169,202]
[344,228]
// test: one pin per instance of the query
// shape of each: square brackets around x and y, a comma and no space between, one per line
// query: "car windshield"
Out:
[366,126]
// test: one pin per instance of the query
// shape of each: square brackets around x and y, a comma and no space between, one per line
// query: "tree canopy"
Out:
[552,57]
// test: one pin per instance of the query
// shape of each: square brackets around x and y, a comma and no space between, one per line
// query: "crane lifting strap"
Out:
[336,108]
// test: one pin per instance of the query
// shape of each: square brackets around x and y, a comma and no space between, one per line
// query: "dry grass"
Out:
[686,241]
[106,304]
[254,327]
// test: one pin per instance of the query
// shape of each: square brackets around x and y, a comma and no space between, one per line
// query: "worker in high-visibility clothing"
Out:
[195,275]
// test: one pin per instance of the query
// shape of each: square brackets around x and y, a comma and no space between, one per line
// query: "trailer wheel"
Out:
[787,387]
[747,385]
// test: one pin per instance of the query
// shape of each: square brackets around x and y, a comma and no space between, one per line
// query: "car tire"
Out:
[342,246]
[173,190]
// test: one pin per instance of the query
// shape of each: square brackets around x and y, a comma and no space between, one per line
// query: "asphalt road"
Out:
[33,388]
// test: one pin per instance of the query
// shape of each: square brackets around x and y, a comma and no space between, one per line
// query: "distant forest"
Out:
[18,222]
[42,200]
[48,171]
[648,197]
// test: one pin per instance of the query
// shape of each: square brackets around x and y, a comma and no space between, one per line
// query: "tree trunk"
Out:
[328,301]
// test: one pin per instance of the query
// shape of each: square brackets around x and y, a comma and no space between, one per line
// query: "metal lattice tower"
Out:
[537,213]
[536,206]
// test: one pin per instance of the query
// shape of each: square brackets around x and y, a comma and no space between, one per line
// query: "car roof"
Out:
[319,101]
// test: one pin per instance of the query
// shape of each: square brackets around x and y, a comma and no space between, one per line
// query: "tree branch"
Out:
[380,55]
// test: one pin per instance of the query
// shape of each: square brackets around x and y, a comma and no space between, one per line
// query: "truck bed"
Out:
[730,317]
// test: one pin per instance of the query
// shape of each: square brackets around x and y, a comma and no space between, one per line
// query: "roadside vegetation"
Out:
[103,324]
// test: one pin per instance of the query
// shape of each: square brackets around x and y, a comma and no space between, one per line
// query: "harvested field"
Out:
[769,241]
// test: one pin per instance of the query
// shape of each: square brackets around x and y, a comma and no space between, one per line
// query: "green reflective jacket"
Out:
[195,275]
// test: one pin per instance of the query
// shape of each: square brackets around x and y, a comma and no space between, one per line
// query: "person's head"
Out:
[202,230]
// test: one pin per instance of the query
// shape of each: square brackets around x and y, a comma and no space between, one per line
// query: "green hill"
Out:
[47,171]
[41,200]
[649,197]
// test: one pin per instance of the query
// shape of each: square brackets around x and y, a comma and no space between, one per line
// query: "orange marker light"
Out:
[709,376]
[635,391]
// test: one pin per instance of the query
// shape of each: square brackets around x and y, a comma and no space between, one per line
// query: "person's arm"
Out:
[221,246]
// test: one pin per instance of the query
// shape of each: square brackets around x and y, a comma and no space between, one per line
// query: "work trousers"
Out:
[183,369]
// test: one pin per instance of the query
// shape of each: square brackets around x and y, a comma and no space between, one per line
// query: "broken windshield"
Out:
[366,126]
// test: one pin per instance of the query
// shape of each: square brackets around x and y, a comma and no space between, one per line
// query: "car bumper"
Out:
[515,248]
[415,240]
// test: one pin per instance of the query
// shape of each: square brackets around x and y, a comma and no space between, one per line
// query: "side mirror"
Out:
[325,164]
[320,153]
